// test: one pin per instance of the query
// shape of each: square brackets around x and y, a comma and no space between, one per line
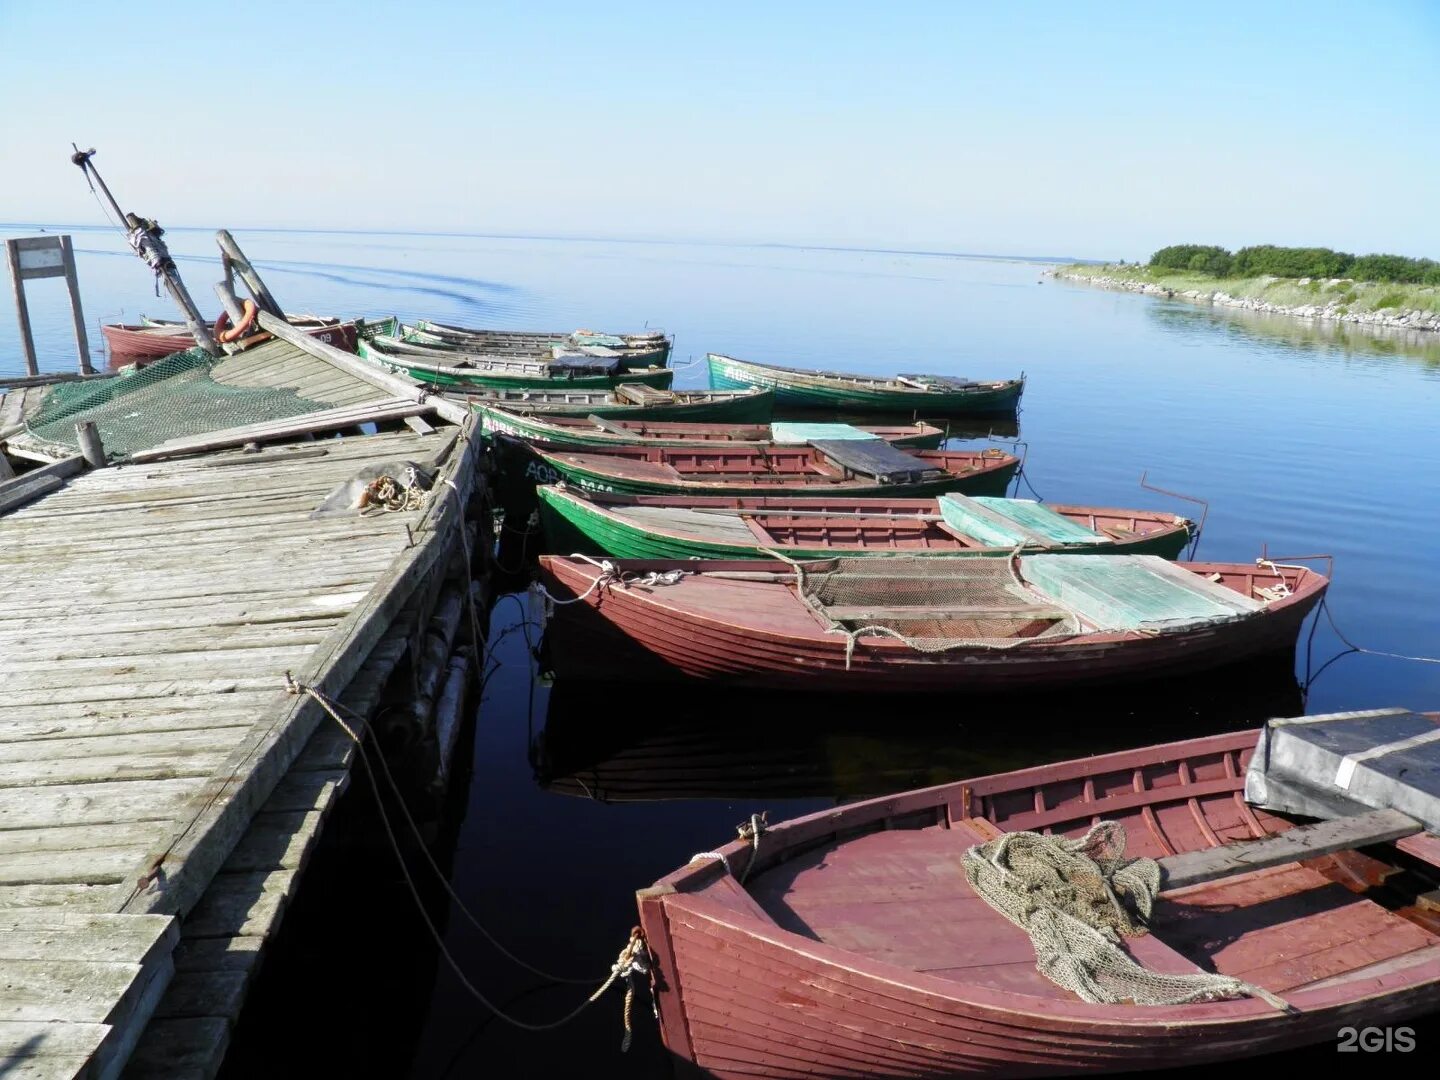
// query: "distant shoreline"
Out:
[1403,307]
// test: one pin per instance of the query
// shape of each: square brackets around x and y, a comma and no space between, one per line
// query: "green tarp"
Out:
[1133,592]
[784,431]
[1011,522]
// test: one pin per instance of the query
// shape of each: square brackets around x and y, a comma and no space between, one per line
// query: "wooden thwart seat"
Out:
[1293,845]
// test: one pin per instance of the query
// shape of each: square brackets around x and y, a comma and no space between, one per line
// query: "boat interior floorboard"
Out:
[901,897]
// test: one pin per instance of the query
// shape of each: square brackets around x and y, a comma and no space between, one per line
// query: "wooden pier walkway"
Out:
[153,764]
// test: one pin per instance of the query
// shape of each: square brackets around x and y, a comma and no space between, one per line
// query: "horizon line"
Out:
[785,245]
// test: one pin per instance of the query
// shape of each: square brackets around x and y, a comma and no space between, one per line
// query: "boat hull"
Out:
[659,378]
[534,428]
[577,524]
[746,987]
[698,407]
[631,354]
[134,344]
[641,633]
[554,467]
[804,391]
[756,1005]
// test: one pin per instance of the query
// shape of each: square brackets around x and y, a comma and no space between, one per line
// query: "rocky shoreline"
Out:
[1333,311]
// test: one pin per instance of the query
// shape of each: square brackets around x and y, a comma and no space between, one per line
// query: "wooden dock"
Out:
[160,788]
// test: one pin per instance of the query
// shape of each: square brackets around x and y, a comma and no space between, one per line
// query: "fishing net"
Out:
[169,399]
[959,603]
[1076,898]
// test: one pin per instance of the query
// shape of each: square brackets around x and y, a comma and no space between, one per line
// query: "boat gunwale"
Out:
[605,505]
[872,815]
[888,383]
[884,650]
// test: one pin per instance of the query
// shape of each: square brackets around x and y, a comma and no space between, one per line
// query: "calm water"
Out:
[1306,439]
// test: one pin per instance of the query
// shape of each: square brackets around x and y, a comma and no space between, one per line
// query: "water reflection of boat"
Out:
[713,744]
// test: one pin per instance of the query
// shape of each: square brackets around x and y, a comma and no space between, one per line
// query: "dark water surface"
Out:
[1306,438]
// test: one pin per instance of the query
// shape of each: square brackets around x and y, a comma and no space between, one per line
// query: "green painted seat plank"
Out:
[789,432]
[1133,592]
[1008,522]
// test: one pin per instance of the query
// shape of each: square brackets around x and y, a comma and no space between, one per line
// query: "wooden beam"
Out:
[339,419]
[77,312]
[37,482]
[912,614]
[399,385]
[1293,845]
[257,288]
[22,310]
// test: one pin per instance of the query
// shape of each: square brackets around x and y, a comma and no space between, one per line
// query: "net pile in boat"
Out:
[958,603]
[169,399]
[1076,898]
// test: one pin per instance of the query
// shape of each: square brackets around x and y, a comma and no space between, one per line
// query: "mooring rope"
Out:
[1330,618]
[748,830]
[632,960]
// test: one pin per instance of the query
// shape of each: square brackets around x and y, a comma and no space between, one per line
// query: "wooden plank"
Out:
[239,904]
[179,1049]
[209,993]
[37,483]
[47,935]
[25,1041]
[346,416]
[911,614]
[1293,845]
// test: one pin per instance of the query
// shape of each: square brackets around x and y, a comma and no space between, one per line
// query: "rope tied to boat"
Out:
[1281,589]
[609,573]
[1076,898]
[749,831]
[633,959]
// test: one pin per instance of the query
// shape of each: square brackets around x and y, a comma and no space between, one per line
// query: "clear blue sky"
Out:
[1086,128]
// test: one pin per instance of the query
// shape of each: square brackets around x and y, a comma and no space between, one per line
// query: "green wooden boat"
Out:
[843,469]
[953,525]
[649,349]
[583,433]
[439,368]
[915,395]
[629,401]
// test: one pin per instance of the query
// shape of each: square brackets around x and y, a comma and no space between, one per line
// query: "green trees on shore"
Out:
[1268,259]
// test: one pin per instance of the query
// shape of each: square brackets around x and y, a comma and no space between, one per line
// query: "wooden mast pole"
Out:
[144,237]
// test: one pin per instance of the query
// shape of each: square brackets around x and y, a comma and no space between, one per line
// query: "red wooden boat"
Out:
[842,468]
[856,946]
[130,344]
[919,624]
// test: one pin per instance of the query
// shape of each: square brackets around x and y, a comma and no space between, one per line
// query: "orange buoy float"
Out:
[234,333]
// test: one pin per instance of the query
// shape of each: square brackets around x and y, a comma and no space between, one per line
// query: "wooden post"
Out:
[252,280]
[41,257]
[22,310]
[91,449]
[82,340]
[230,302]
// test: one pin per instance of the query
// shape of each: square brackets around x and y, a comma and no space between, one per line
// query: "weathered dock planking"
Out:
[222,940]
[152,762]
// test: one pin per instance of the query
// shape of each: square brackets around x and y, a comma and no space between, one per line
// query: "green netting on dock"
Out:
[170,399]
